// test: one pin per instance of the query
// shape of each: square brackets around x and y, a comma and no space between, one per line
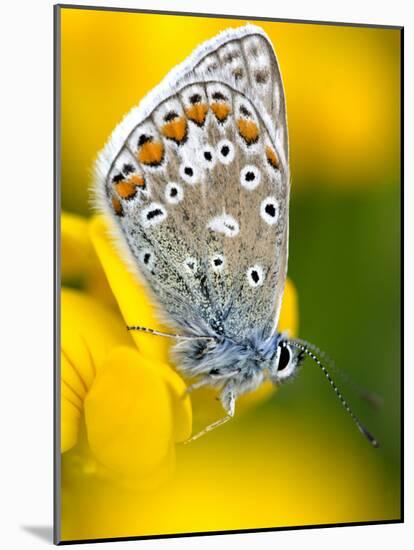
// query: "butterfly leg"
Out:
[199,384]
[207,381]
[229,403]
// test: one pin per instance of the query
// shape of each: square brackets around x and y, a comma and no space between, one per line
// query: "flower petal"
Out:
[76,248]
[181,404]
[80,266]
[69,429]
[88,332]
[128,414]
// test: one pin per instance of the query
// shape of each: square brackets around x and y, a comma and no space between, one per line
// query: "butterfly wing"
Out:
[196,182]
[245,57]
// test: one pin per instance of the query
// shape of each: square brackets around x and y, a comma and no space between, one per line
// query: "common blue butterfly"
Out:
[196,182]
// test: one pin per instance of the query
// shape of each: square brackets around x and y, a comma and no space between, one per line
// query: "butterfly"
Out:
[196,182]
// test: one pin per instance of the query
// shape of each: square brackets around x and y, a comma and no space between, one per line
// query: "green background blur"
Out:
[298,454]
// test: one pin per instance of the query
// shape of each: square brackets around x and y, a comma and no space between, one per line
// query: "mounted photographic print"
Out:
[228,274]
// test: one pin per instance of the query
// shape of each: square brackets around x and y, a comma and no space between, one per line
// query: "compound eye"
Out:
[284,358]
[285,362]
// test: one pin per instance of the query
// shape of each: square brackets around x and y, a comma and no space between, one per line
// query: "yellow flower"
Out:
[133,414]
[80,266]
[122,408]
[130,412]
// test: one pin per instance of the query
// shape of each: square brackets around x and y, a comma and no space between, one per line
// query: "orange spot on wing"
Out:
[151,153]
[175,129]
[137,180]
[127,188]
[221,110]
[197,113]
[272,157]
[117,206]
[248,130]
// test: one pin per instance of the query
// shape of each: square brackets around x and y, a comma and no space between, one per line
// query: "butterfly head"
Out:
[248,361]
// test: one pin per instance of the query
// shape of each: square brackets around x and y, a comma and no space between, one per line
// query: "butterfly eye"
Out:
[286,364]
[250,177]
[225,151]
[284,358]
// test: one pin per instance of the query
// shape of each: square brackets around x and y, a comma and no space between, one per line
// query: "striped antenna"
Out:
[305,348]
[373,399]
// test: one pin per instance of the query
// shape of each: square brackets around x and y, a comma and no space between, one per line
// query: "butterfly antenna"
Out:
[305,348]
[167,334]
[372,398]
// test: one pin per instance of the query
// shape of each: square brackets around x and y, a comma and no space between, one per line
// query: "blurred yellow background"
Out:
[296,459]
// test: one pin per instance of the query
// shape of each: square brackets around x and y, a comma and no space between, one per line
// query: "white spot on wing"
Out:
[225,151]
[269,210]
[174,193]
[217,262]
[188,173]
[255,276]
[208,157]
[153,214]
[225,224]
[250,177]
